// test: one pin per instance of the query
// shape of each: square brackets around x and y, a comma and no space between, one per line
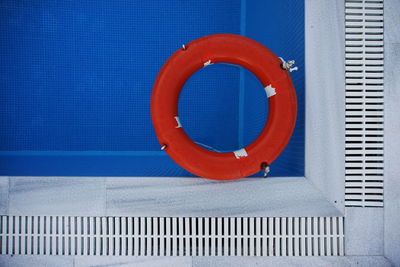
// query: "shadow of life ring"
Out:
[234,49]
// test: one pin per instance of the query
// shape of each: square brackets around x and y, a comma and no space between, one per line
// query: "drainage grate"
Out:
[364,103]
[160,236]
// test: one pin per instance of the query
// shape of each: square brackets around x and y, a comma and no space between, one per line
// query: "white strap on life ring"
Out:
[270,91]
[240,153]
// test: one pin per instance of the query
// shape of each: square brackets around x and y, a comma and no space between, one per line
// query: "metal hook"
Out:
[265,168]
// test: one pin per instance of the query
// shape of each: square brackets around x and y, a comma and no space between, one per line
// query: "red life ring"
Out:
[224,48]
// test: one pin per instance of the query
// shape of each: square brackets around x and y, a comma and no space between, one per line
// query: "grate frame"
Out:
[364,59]
[172,236]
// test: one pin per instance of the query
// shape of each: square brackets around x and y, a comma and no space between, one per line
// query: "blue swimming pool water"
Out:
[76,79]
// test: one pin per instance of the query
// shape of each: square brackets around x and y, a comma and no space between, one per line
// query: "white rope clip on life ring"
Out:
[287,65]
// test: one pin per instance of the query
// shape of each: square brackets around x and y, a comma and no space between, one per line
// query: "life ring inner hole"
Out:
[223,107]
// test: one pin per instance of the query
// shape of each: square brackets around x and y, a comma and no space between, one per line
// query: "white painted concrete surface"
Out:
[170,197]
[392,131]
[325,98]
[51,261]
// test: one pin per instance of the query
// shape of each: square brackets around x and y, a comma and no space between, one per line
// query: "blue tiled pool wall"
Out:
[76,80]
